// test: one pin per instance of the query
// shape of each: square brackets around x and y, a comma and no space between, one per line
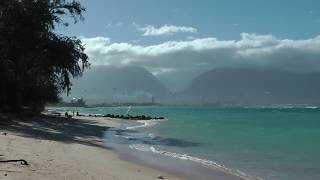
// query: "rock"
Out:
[160,177]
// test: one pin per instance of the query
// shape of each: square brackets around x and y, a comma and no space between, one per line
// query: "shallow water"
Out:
[270,143]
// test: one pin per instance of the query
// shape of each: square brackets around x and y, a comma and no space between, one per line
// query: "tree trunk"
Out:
[3,91]
[18,88]
[2,95]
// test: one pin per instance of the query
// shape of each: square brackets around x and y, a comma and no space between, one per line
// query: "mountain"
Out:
[118,84]
[253,87]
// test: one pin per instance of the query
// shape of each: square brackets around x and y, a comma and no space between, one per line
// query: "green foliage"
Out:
[36,64]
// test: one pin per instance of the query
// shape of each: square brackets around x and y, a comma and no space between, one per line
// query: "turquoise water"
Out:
[271,143]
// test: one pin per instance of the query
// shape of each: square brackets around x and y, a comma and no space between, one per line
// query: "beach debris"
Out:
[160,177]
[22,161]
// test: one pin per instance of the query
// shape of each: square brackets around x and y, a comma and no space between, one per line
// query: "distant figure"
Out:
[78,113]
[66,114]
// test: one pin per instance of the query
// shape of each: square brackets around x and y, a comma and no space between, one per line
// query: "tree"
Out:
[36,63]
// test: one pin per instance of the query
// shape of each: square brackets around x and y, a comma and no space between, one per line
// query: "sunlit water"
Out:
[269,143]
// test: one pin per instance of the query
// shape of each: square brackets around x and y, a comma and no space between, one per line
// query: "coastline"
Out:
[61,148]
[61,153]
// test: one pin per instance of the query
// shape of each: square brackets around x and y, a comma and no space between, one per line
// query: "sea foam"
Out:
[146,123]
[204,162]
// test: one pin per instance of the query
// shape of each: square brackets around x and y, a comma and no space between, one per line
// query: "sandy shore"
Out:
[58,148]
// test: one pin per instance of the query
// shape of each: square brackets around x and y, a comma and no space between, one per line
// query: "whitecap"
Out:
[204,162]
[146,123]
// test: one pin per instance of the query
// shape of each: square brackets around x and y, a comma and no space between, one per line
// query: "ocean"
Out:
[276,143]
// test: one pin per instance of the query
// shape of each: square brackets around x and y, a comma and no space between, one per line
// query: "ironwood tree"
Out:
[37,63]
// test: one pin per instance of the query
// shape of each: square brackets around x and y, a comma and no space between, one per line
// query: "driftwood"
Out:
[22,161]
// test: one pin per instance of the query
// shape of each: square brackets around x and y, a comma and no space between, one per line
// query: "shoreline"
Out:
[56,152]
[180,168]
[80,140]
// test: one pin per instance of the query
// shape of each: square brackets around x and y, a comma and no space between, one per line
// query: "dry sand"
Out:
[58,148]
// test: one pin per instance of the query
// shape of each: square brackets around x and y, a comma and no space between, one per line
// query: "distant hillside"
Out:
[253,87]
[118,84]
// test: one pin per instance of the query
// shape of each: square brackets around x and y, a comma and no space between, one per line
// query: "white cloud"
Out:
[160,71]
[118,24]
[134,24]
[263,51]
[166,30]
[190,38]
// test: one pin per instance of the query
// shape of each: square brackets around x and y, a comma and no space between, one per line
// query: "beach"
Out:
[271,143]
[140,90]
[60,148]
[203,143]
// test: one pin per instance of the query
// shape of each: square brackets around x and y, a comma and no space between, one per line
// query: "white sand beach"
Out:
[59,148]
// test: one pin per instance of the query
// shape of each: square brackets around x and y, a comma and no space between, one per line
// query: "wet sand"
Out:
[59,148]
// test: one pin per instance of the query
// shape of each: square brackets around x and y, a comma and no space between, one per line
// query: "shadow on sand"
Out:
[58,129]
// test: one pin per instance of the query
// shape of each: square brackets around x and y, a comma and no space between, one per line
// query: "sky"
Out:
[177,40]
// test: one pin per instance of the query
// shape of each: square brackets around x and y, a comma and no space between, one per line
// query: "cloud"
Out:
[251,50]
[190,38]
[118,24]
[166,30]
[134,24]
